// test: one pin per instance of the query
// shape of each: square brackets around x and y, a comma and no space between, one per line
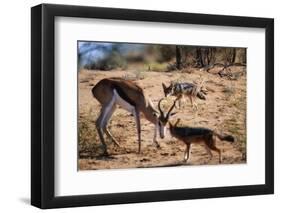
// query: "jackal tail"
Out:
[228,138]
[201,95]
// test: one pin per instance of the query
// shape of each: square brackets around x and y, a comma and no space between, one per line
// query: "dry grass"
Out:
[134,75]
[87,136]
[229,90]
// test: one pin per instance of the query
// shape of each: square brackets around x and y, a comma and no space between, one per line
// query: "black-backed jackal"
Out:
[180,90]
[190,135]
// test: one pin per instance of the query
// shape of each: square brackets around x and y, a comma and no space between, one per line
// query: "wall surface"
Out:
[15,105]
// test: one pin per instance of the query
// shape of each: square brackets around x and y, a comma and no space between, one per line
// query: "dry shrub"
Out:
[88,140]
[229,90]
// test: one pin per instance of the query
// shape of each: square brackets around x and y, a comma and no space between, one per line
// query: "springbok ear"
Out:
[173,113]
[155,114]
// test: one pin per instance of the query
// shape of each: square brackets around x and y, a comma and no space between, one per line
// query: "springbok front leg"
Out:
[136,114]
[155,135]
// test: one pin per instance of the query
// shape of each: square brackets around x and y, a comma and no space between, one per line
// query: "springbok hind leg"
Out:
[106,130]
[100,133]
[101,124]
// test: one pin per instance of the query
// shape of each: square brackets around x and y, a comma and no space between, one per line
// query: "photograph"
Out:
[160,105]
[173,104]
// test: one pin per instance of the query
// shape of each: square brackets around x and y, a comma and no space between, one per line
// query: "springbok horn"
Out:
[172,107]
[159,106]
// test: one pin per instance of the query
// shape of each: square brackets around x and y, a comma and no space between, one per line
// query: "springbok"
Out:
[190,135]
[111,92]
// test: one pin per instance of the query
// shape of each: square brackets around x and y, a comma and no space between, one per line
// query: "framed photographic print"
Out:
[139,106]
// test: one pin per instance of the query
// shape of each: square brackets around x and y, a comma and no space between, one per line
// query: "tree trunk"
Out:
[178,57]
[244,58]
[199,60]
[233,56]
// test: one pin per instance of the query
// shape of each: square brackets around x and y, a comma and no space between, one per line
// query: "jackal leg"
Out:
[208,151]
[178,103]
[212,146]
[182,102]
[218,151]
[193,103]
[186,153]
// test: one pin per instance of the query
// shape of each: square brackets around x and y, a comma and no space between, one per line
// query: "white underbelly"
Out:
[124,104]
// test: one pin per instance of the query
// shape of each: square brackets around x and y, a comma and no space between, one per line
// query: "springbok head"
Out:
[164,117]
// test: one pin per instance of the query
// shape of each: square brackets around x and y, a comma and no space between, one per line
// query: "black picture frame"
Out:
[43,105]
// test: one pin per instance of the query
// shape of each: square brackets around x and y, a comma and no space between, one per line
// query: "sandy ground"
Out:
[224,111]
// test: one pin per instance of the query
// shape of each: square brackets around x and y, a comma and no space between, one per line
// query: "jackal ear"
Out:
[177,122]
[164,86]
